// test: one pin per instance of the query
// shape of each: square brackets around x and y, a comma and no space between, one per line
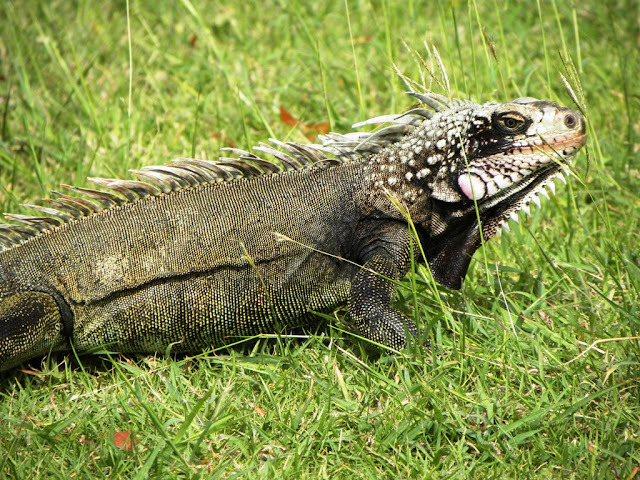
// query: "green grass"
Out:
[536,372]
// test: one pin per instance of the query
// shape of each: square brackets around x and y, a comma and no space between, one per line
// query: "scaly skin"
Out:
[195,258]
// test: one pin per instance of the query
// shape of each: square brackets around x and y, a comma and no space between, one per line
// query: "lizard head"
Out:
[489,162]
[496,158]
[464,170]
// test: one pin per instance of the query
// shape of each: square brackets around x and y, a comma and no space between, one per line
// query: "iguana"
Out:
[196,253]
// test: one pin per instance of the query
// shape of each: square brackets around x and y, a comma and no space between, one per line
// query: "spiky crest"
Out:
[185,173]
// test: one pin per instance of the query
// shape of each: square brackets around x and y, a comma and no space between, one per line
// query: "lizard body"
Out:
[196,254]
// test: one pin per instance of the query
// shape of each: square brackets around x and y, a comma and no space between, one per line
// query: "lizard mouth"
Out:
[493,179]
[497,209]
[563,146]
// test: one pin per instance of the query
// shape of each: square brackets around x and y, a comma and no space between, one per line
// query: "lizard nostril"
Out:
[570,121]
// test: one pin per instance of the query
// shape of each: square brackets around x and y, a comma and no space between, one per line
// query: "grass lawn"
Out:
[536,370]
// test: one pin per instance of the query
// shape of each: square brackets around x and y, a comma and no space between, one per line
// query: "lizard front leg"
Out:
[370,304]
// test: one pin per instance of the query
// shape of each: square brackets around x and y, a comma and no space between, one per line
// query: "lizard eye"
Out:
[510,122]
